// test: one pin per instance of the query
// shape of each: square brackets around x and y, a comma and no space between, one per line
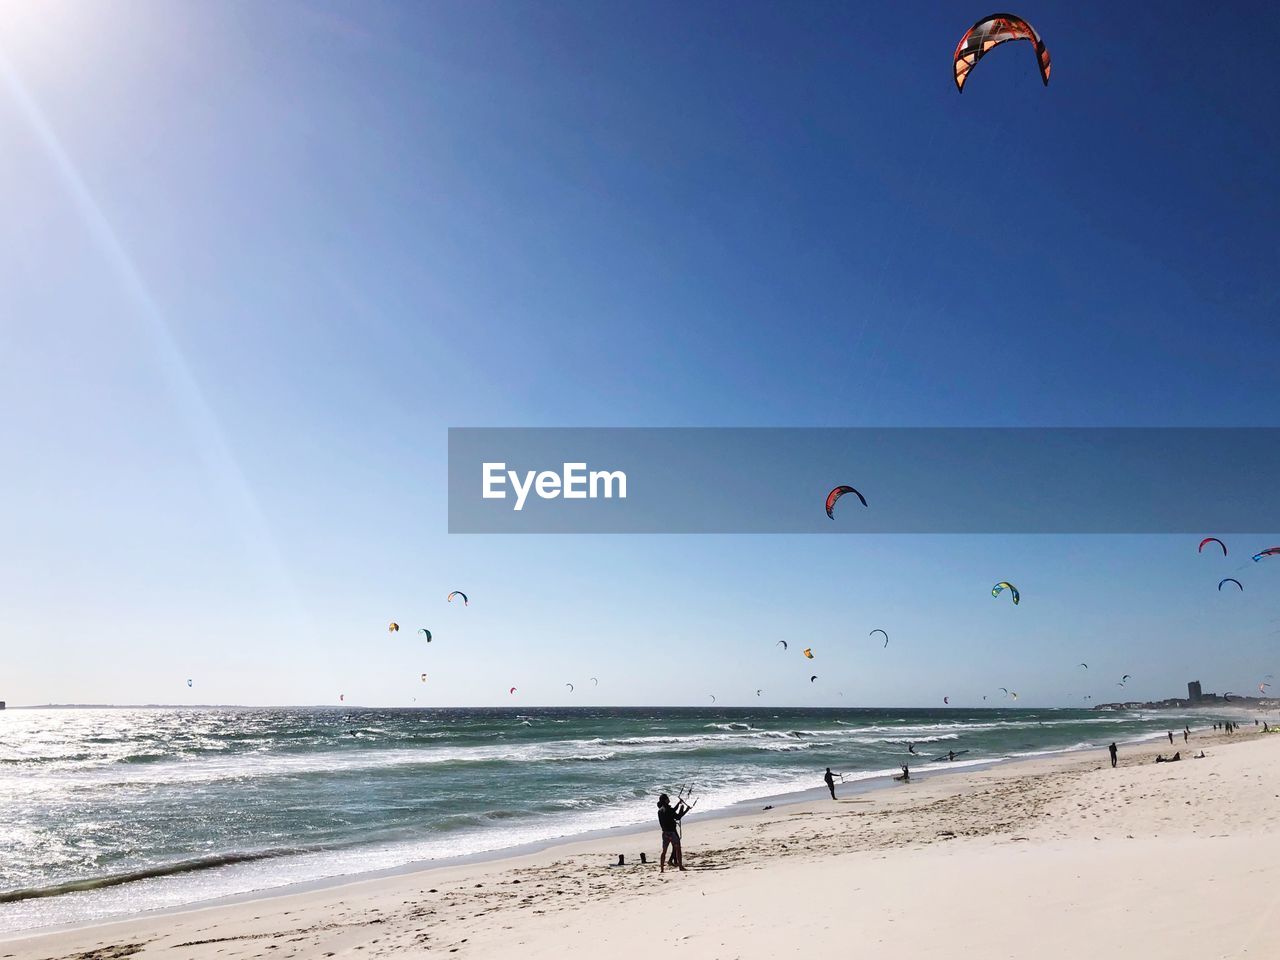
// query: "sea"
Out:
[107,812]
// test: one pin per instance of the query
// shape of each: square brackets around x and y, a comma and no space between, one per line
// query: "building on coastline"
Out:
[1193,691]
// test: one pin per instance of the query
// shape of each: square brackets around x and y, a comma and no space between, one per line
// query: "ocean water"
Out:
[110,811]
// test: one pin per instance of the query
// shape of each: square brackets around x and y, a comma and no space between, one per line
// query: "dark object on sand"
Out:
[622,860]
[643,858]
[1161,758]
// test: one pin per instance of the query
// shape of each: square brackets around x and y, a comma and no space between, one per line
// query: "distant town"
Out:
[1196,697]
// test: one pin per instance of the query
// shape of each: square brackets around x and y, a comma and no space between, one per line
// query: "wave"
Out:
[193,865]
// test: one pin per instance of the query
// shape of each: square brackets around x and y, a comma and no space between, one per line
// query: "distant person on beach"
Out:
[911,748]
[906,774]
[951,755]
[1114,754]
[669,818]
[1170,736]
[1161,758]
[1185,735]
[830,781]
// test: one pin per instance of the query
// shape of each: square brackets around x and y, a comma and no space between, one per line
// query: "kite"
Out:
[342,696]
[813,678]
[426,633]
[1013,694]
[757,693]
[1085,665]
[424,680]
[1200,549]
[878,630]
[393,627]
[188,683]
[784,644]
[458,593]
[1005,690]
[712,696]
[1125,677]
[595,682]
[511,691]
[1013,591]
[1226,697]
[1269,552]
[1262,687]
[946,699]
[990,32]
[837,493]
[808,653]
[570,686]
[1229,580]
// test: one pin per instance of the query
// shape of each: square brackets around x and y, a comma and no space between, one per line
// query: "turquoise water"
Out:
[110,811]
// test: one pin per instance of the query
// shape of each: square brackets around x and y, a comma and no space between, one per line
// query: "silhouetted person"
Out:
[1185,735]
[831,782]
[669,818]
[951,755]
[1170,736]
[905,777]
[1114,754]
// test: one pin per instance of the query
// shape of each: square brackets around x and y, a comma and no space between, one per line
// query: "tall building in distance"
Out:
[1193,691]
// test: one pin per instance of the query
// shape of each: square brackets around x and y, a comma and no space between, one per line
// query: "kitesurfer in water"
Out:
[669,818]
[830,781]
[1113,751]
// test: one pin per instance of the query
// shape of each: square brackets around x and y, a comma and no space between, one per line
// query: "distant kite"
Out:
[595,682]
[1229,580]
[990,32]
[808,653]
[426,633]
[757,693]
[838,492]
[1006,585]
[393,627]
[712,696]
[511,691]
[878,630]
[946,699]
[1085,665]
[1200,549]
[459,593]
[570,686]
[1269,552]
[813,678]
[783,643]
[189,683]
[424,680]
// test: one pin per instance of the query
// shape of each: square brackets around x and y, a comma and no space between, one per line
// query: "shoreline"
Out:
[867,782]
[731,817]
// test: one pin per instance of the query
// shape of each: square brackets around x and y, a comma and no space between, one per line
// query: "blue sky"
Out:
[256,259]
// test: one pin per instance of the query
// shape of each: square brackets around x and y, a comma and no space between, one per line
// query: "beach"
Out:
[1046,857]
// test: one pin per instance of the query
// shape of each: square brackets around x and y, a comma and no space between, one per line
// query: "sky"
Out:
[256,259]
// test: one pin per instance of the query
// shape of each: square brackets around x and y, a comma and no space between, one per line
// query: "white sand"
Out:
[1051,858]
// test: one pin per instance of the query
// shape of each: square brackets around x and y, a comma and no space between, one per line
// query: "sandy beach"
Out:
[1048,857]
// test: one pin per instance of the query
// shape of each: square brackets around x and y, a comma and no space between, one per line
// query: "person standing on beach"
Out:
[1171,736]
[1186,734]
[1112,750]
[669,818]
[830,781]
